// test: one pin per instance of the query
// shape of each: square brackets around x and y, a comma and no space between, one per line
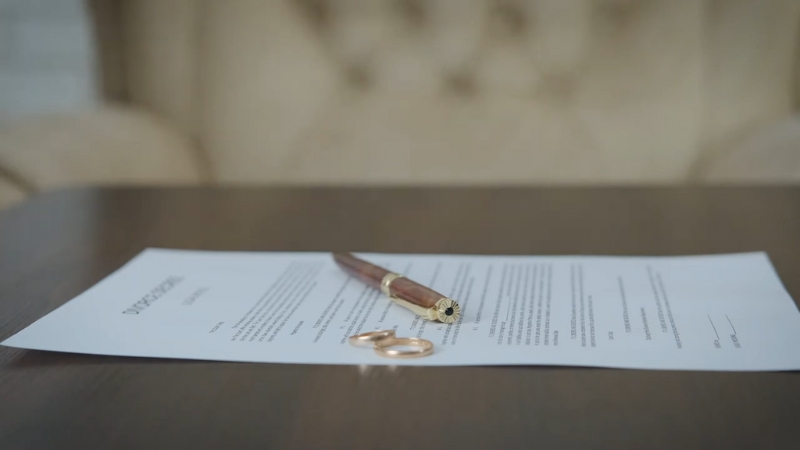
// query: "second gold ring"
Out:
[415,348]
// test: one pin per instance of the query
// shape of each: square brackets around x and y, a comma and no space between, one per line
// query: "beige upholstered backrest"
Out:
[457,91]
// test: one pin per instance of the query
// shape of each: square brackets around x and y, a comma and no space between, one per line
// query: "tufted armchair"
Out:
[427,92]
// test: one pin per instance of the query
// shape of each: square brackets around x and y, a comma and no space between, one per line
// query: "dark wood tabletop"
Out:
[59,244]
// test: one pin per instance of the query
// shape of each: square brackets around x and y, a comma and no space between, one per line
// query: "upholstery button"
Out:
[461,83]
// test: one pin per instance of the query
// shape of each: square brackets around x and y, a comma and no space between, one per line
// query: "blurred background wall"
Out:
[453,92]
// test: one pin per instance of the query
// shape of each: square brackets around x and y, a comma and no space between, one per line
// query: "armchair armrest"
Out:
[770,156]
[9,193]
[110,145]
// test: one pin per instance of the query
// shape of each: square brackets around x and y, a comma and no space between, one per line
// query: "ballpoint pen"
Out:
[421,300]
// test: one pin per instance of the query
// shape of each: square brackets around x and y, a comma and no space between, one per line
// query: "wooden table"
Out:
[57,245]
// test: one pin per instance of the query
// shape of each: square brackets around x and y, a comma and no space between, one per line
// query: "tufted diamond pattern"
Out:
[457,91]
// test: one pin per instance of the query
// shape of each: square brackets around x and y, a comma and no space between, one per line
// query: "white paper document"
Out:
[722,312]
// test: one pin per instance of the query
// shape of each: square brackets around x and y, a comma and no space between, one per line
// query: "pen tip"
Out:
[447,310]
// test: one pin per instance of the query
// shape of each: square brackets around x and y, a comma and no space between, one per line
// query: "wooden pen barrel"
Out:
[400,287]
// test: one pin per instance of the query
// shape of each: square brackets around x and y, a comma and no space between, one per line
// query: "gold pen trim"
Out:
[445,310]
[437,312]
[386,283]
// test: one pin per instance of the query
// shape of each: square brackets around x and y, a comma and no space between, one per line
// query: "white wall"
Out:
[47,61]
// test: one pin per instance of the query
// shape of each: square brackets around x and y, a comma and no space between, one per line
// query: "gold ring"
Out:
[422,347]
[370,338]
[386,283]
